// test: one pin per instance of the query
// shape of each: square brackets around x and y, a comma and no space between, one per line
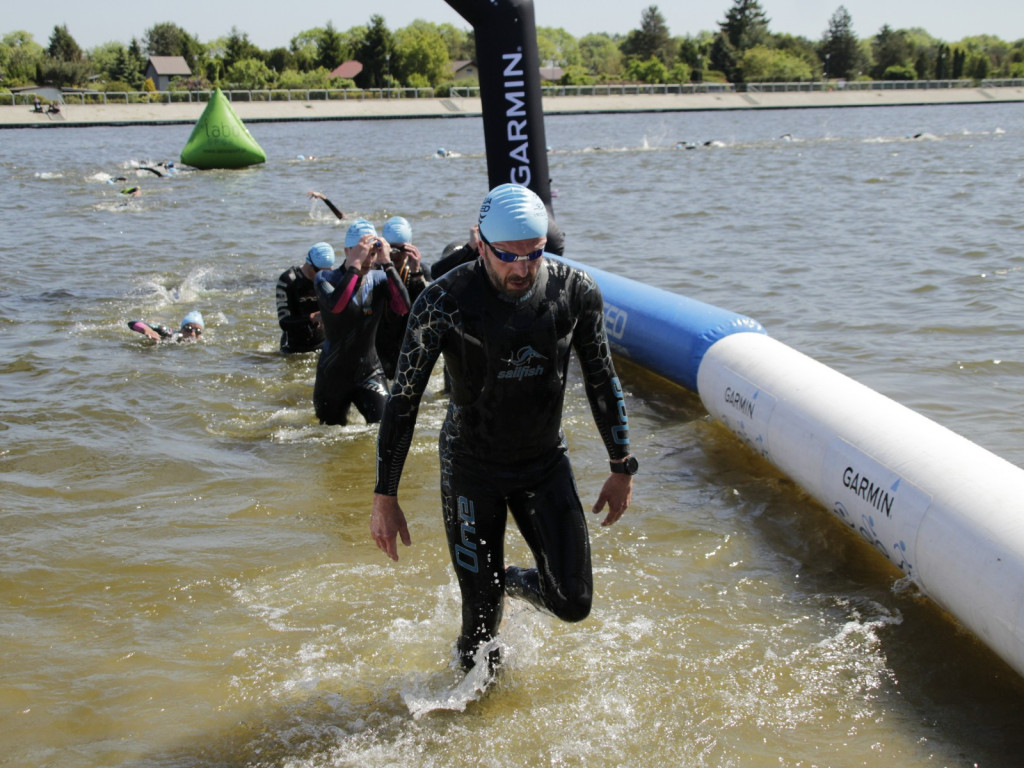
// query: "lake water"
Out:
[187,576]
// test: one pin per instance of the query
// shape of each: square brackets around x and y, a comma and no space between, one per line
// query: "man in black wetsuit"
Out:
[298,313]
[506,325]
[352,300]
[406,257]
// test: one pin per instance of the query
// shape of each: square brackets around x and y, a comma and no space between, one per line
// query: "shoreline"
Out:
[74,115]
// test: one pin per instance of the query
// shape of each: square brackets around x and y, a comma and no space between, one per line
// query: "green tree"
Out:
[238,47]
[63,46]
[557,47]
[891,48]
[251,74]
[374,52]
[762,64]
[330,48]
[745,25]
[20,56]
[943,62]
[725,58]
[839,51]
[62,73]
[957,57]
[601,56]
[461,44]
[651,71]
[695,52]
[304,47]
[168,39]
[681,72]
[134,70]
[651,39]
[313,78]
[103,58]
[420,56]
[799,47]
[899,72]
[577,75]
[126,70]
[281,60]
[995,52]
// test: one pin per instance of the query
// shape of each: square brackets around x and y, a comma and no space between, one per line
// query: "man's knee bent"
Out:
[572,607]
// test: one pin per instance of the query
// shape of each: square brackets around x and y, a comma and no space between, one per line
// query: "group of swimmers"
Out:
[354,314]
[506,320]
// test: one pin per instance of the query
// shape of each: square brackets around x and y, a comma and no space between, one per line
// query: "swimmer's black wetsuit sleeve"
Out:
[163,330]
[429,319]
[333,207]
[600,382]
[461,255]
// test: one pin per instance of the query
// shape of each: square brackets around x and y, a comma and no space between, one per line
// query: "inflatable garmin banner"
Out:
[946,512]
[510,97]
[943,510]
[220,139]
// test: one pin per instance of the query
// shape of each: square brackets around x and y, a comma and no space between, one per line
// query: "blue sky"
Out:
[271,23]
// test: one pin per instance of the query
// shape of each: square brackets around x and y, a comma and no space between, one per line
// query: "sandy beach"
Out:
[22,116]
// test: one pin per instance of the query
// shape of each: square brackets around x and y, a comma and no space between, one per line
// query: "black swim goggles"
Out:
[185,329]
[508,257]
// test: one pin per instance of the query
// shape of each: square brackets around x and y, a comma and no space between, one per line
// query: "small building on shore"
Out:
[161,69]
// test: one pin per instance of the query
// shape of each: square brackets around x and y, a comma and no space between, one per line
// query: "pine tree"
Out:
[745,25]
[63,46]
[651,40]
[839,48]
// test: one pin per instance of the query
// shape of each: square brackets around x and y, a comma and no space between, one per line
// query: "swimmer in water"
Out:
[407,260]
[352,301]
[507,325]
[334,209]
[298,312]
[191,328]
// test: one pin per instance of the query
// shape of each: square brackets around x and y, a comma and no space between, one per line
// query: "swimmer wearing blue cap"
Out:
[507,325]
[352,301]
[191,328]
[297,311]
[407,260]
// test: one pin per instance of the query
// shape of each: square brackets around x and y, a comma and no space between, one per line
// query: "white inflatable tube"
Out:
[946,512]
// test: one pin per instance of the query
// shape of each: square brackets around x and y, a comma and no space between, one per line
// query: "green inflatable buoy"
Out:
[220,139]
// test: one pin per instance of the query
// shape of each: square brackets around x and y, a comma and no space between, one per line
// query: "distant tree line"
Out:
[742,50]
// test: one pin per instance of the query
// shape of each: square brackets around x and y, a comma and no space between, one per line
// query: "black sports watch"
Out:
[628,466]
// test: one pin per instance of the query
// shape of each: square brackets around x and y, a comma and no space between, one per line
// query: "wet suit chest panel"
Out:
[350,327]
[508,363]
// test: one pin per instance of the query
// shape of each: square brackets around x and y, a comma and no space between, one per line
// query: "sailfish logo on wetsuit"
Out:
[521,364]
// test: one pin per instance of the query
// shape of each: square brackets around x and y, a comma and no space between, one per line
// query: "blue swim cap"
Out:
[321,256]
[512,212]
[356,230]
[397,231]
[195,317]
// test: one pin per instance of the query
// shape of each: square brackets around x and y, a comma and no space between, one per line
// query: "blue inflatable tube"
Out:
[944,511]
[663,332]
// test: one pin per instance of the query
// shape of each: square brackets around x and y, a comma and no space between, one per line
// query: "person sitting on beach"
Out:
[298,312]
[191,328]
[407,260]
[334,209]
